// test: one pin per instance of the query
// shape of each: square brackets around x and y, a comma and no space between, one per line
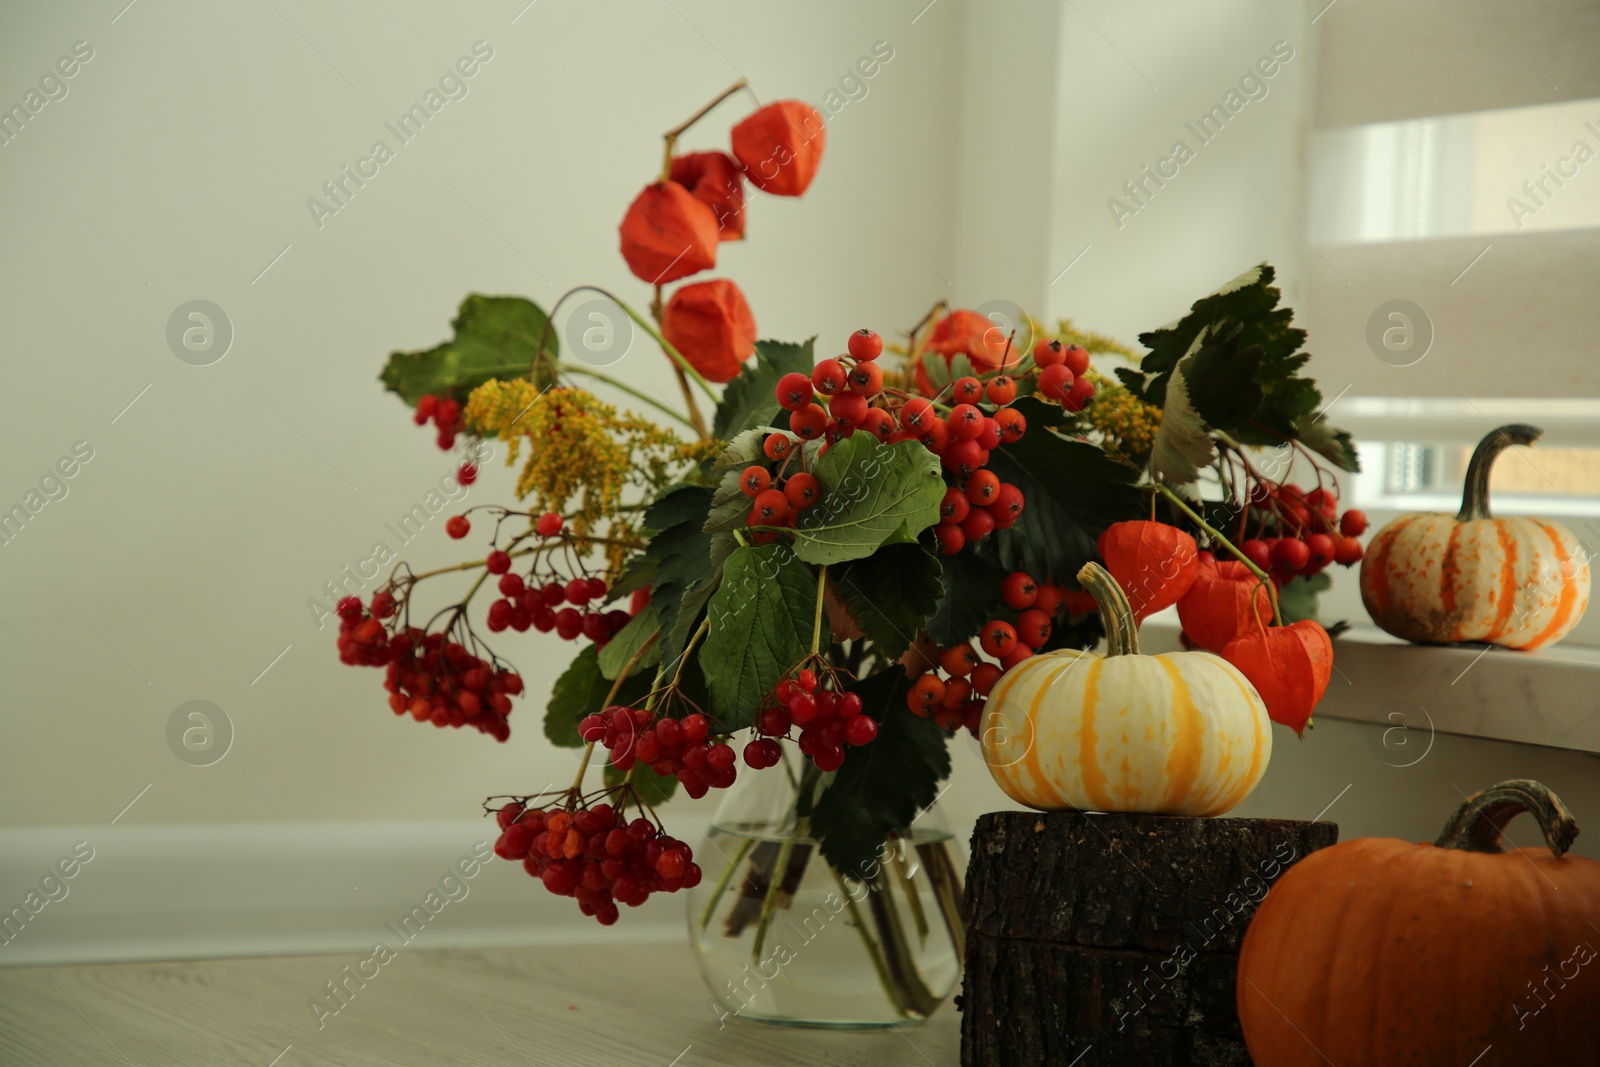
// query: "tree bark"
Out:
[1114,937]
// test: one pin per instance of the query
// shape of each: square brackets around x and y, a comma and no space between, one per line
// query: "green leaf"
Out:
[685,618]
[742,451]
[761,620]
[751,400]
[496,337]
[884,786]
[891,593]
[1182,445]
[1132,378]
[729,505]
[1071,492]
[872,495]
[581,690]
[679,560]
[653,788]
[1298,600]
[971,596]
[632,637]
[1221,380]
[1241,362]
[1337,445]
[679,502]
[1249,299]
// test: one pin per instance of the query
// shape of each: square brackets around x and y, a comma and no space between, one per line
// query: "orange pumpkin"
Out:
[1436,579]
[1382,952]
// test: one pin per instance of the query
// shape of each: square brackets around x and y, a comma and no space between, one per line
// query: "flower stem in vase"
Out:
[722,882]
[946,882]
[777,867]
[908,989]
[913,898]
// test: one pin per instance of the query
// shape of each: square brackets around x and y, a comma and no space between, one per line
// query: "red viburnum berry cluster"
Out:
[445,412]
[595,855]
[828,721]
[683,748]
[433,679]
[1061,373]
[962,434]
[1311,532]
[953,692]
[540,606]
[571,607]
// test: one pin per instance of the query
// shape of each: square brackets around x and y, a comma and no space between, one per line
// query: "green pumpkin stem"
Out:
[1479,822]
[1475,494]
[1122,632]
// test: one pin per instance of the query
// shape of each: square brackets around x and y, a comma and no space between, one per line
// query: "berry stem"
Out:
[620,542]
[683,657]
[1216,536]
[672,135]
[816,624]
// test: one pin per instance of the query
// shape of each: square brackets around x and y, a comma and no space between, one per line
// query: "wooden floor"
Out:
[583,1005]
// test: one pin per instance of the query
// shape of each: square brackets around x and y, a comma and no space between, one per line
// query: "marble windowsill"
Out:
[1550,697]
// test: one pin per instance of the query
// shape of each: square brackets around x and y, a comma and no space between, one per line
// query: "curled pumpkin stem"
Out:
[1475,494]
[1122,631]
[1478,825]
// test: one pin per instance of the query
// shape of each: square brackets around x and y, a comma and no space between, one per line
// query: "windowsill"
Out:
[1549,698]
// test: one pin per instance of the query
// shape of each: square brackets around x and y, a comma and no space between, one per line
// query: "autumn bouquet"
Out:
[825,578]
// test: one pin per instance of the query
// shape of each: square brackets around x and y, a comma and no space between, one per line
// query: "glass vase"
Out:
[783,938]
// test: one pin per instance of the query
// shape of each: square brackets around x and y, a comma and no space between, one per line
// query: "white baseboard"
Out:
[187,892]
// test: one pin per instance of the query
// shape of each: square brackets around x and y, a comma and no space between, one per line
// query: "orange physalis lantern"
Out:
[667,234]
[711,325]
[1289,666]
[780,146]
[1155,564]
[713,178]
[1226,600]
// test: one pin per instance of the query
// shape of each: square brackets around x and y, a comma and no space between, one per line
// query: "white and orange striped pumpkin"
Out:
[1437,579]
[1183,733]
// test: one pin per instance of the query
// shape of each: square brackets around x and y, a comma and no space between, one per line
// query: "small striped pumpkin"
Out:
[1183,733]
[1436,579]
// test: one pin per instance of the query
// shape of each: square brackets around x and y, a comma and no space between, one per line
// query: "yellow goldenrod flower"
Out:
[1127,424]
[582,453]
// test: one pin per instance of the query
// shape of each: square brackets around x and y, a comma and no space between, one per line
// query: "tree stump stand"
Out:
[1114,939]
